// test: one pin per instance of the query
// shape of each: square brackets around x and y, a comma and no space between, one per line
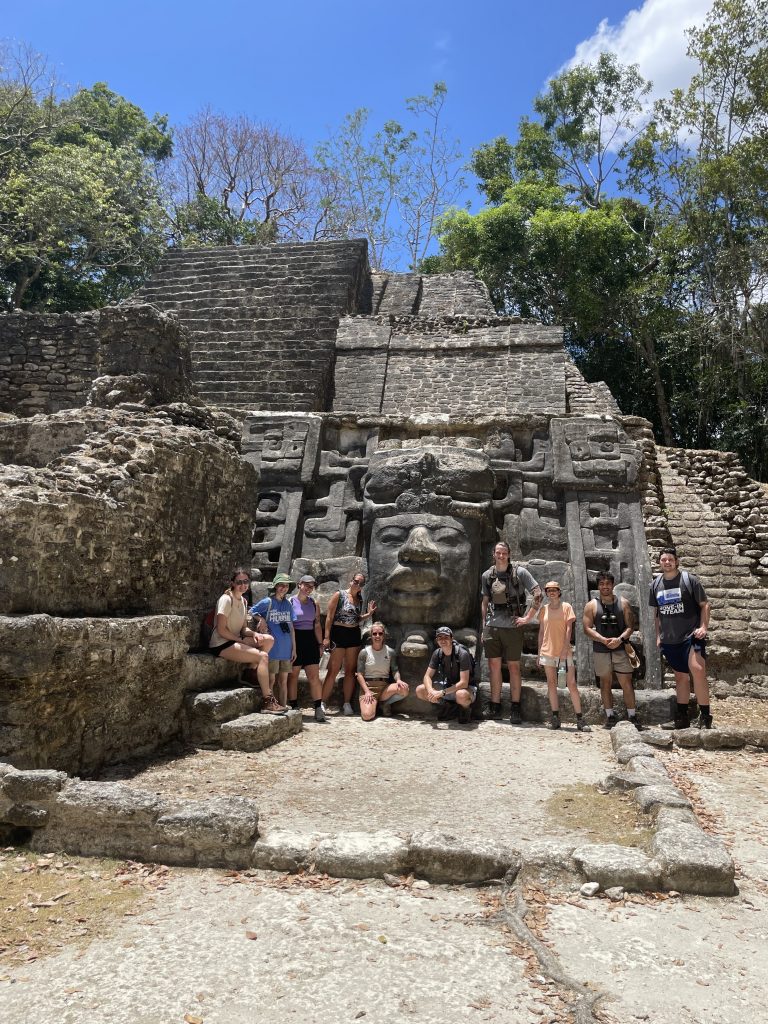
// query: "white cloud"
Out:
[652,36]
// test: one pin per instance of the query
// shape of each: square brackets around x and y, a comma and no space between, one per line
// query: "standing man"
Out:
[447,680]
[608,622]
[503,588]
[682,622]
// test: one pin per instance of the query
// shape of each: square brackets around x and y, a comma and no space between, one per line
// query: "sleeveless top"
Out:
[609,622]
[347,611]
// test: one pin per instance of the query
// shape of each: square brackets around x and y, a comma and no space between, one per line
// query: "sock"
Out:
[317,703]
[516,703]
[580,715]
[631,712]
[609,712]
[682,710]
[704,709]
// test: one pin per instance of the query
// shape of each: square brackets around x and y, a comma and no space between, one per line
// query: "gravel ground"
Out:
[490,780]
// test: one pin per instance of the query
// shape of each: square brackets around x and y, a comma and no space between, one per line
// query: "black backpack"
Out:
[472,663]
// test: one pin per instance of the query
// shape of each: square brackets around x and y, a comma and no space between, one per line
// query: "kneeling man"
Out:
[447,679]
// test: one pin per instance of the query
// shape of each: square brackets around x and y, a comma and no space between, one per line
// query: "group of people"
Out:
[281,635]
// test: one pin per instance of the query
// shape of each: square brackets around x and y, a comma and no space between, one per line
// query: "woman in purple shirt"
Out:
[309,637]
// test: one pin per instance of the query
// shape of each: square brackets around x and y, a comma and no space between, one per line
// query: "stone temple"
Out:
[283,407]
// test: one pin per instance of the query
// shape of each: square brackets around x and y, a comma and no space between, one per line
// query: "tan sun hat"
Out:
[555,584]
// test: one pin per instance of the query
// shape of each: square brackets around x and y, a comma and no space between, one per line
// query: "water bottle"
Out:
[561,675]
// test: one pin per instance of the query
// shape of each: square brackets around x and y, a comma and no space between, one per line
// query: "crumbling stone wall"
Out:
[48,361]
[434,295]
[76,693]
[585,398]
[143,516]
[448,365]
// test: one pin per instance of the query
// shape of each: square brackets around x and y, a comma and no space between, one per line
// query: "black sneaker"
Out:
[678,722]
[610,721]
[635,721]
[581,725]
[703,721]
[492,711]
[555,723]
[446,710]
[516,715]
[464,715]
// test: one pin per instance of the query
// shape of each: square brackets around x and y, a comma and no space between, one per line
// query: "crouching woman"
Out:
[377,674]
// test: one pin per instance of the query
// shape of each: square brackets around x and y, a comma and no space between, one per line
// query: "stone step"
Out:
[206,711]
[256,732]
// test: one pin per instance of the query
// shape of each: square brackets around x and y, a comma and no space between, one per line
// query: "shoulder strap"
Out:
[685,579]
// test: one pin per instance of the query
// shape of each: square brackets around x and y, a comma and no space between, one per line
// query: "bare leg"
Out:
[350,665]
[494,673]
[606,692]
[515,680]
[247,654]
[570,682]
[698,668]
[554,700]
[334,664]
[627,688]
[368,705]
[280,687]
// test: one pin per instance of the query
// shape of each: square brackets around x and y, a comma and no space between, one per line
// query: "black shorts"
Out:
[346,636]
[216,651]
[307,648]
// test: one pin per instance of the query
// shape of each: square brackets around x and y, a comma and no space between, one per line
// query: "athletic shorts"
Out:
[544,659]
[452,696]
[608,662]
[505,642]
[307,648]
[677,655]
[377,686]
[346,636]
[216,651]
[279,665]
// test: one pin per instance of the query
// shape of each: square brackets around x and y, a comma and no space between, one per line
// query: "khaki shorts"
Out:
[283,665]
[503,642]
[612,661]
[546,660]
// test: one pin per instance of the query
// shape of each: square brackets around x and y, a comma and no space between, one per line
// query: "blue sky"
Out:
[304,65]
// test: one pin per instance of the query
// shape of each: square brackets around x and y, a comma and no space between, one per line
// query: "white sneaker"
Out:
[347,710]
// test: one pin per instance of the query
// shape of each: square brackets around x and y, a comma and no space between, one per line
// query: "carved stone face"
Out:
[424,568]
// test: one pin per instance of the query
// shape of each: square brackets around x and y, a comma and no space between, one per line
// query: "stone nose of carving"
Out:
[418,547]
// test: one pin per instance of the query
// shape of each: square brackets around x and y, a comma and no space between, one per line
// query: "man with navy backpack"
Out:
[448,680]
[682,622]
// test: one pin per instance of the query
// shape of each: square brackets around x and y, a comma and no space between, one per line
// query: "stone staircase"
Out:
[263,319]
[229,718]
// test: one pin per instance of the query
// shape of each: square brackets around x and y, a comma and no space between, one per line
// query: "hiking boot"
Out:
[635,721]
[320,714]
[464,715]
[446,710]
[515,715]
[492,711]
[270,706]
[678,722]
[581,725]
[555,723]
[703,721]
[610,721]
[347,709]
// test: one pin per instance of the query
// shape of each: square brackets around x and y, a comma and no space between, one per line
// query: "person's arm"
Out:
[566,651]
[317,627]
[360,673]
[533,588]
[333,604]
[588,622]
[433,695]
[540,638]
[484,609]
[701,631]
[629,620]
[371,611]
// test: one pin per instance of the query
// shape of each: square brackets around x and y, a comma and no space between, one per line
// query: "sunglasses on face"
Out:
[357,583]
[242,583]
[377,634]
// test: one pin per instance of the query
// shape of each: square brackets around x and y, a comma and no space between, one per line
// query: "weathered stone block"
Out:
[692,861]
[651,797]
[625,753]
[439,857]
[361,854]
[282,850]
[722,739]
[39,786]
[213,827]
[257,732]
[206,711]
[612,865]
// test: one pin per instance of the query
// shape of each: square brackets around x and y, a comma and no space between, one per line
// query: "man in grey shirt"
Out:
[503,588]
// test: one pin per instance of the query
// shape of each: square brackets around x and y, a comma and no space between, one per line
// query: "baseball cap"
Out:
[443,631]
[308,579]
